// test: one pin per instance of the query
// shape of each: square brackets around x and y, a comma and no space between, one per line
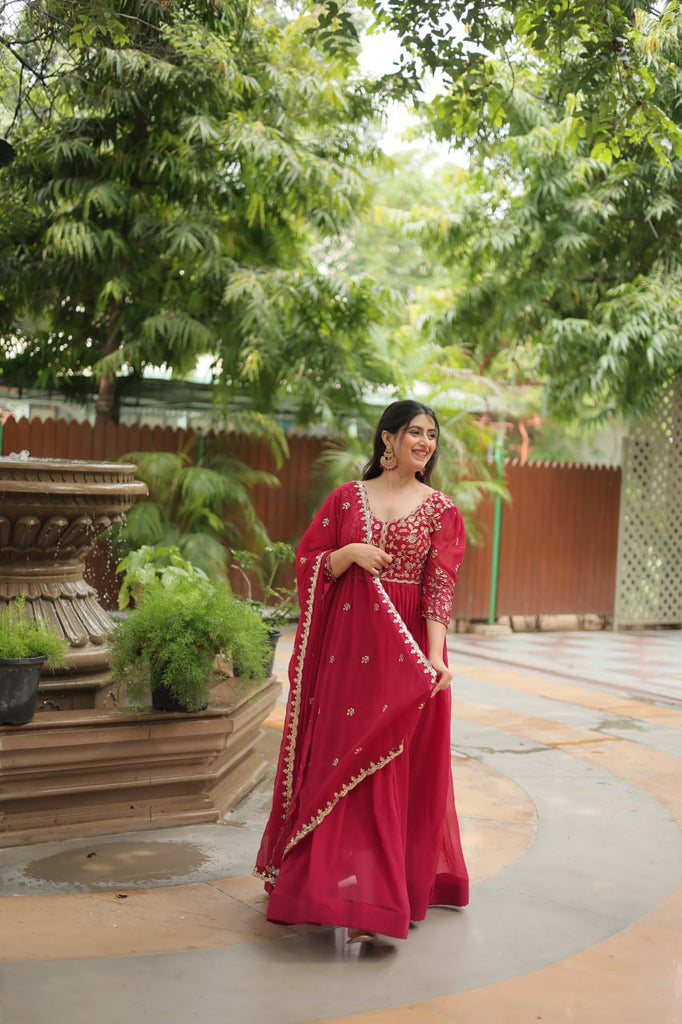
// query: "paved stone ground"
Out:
[567,758]
[645,663]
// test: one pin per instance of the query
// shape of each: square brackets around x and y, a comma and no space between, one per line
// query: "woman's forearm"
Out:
[342,559]
[436,633]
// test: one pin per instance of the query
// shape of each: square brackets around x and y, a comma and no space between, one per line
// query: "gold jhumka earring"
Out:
[388,460]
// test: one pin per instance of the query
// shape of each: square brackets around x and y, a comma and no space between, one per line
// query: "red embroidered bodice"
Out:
[427,546]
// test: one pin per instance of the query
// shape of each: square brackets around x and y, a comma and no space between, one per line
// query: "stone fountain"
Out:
[87,765]
[51,514]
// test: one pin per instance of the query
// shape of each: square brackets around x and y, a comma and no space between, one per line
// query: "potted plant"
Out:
[25,645]
[170,640]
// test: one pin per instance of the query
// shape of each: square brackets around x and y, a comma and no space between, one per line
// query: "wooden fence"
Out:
[559,530]
[558,544]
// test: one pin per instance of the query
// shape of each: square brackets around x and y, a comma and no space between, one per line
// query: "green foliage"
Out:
[22,636]
[280,602]
[177,629]
[163,202]
[603,59]
[385,242]
[565,234]
[308,335]
[200,510]
[37,37]
[147,563]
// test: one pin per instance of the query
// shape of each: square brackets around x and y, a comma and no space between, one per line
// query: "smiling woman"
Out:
[363,832]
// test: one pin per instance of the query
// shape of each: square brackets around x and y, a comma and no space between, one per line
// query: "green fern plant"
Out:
[24,637]
[171,638]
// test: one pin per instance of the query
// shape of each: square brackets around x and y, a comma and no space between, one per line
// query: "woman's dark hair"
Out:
[396,417]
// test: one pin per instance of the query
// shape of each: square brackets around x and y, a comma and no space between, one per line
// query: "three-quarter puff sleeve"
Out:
[442,563]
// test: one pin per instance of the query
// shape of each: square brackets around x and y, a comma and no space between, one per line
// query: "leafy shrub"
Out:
[178,627]
[151,562]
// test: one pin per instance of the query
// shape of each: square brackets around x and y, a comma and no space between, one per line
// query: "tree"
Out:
[38,39]
[589,46]
[565,234]
[162,204]
[385,241]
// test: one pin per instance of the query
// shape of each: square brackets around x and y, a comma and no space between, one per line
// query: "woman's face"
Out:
[414,444]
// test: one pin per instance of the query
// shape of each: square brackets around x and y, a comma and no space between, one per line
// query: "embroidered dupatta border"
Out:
[289,758]
[313,822]
[271,873]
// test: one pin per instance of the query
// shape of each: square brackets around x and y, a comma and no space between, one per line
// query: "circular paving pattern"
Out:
[572,837]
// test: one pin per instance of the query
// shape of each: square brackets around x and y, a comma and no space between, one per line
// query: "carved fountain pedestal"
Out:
[86,765]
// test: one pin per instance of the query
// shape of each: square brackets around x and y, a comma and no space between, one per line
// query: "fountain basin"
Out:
[86,765]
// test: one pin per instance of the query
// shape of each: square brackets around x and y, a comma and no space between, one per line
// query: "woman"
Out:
[363,831]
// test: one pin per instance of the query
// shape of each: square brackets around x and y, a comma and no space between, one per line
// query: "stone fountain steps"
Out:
[90,772]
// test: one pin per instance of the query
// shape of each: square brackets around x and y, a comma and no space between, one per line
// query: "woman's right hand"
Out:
[372,558]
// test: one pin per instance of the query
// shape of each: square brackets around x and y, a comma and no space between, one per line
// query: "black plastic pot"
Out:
[19,679]
[164,700]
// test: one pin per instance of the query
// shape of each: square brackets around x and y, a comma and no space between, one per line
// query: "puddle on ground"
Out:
[619,723]
[119,864]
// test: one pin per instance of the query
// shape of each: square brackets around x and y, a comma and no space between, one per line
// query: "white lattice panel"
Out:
[649,576]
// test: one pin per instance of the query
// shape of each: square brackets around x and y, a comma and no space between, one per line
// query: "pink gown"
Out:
[363,831]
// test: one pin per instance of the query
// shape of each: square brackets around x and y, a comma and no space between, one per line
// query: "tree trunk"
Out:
[107,401]
[107,407]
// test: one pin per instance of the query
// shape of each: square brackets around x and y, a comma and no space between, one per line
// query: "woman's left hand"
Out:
[445,675]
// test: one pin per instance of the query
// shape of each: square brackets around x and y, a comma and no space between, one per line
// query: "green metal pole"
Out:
[497,529]
[200,447]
